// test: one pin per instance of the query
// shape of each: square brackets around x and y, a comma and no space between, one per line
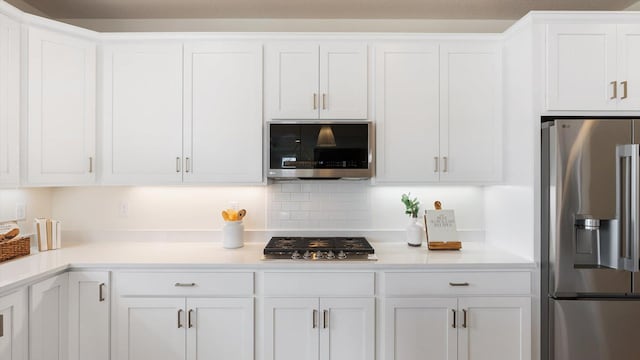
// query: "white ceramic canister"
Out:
[233,235]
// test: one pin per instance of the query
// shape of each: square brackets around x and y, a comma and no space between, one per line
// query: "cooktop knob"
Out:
[342,255]
[331,255]
[295,255]
[319,255]
[306,255]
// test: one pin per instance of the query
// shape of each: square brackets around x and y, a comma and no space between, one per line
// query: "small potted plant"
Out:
[413,230]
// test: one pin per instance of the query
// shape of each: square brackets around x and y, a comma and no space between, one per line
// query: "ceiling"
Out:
[312,9]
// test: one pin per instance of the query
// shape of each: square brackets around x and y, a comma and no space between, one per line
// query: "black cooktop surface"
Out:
[289,245]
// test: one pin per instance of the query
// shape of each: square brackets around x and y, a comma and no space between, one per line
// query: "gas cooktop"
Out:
[319,248]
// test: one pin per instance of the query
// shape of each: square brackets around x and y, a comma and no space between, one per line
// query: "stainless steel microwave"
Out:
[320,150]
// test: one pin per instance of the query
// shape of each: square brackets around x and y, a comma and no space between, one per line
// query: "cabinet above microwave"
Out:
[320,150]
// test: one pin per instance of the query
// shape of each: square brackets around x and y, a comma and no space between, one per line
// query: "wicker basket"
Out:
[14,248]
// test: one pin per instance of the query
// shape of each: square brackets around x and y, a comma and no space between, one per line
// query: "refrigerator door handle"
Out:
[628,204]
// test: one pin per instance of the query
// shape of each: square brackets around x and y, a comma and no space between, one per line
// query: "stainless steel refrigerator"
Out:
[590,288]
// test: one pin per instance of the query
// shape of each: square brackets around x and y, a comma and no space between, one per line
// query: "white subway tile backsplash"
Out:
[357,205]
[290,187]
[300,197]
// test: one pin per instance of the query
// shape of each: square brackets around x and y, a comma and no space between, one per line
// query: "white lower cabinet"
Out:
[183,315]
[177,328]
[496,328]
[465,315]
[319,328]
[14,326]
[48,321]
[89,315]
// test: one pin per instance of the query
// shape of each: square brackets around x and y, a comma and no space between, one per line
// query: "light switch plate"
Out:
[21,212]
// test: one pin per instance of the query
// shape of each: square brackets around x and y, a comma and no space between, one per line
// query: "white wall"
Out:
[510,208]
[37,203]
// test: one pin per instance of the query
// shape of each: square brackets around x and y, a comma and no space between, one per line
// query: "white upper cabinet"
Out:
[142,114]
[9,100]
[593,67]
[628,69]
[407,112]
[343,81]
[223,113]
[317,81]
[61,109]
[470,112]
[438,112]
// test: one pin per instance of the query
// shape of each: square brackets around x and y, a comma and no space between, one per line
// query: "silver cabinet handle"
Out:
[187,164]
[453,324]
[315,319]
[628,204]
[435,164]
[624,90]
[615,89]
[101,297]
[189,323]
[1,325]
[459,284]
[324,101]
[180,318]
[90,164]
[325,319]
[184,284]
[178,165]
[445,166]
[464,318]
[315,101]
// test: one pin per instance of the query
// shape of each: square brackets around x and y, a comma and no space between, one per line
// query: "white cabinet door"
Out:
[89,315]
[150,329]
[415,327]
[223,113]
[9,100]
[291,329]
[581,67]
[343,81]
[494,328]
[14,326]
[407,113]
[220,329]
[142,112]
[628,69]
[48,319]
[470,112]
[293,80]
[347,329]
[61,109]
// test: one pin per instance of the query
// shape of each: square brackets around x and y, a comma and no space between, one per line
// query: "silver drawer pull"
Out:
[184,284]
[459,284]
[101,297]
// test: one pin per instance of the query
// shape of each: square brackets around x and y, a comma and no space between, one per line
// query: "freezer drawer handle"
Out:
[459,284]
[628,205]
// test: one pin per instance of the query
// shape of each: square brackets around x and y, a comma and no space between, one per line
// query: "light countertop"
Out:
[211,255]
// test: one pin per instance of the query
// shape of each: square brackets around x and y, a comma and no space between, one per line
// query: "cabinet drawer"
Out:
[318,284]
[184,283]
[457,283]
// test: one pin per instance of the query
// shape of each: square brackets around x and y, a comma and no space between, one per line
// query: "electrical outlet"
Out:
[21,212]
[124,209]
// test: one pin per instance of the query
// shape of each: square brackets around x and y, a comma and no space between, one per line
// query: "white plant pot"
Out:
[414,233]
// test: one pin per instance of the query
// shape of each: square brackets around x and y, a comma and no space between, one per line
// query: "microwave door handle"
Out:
[628,204]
